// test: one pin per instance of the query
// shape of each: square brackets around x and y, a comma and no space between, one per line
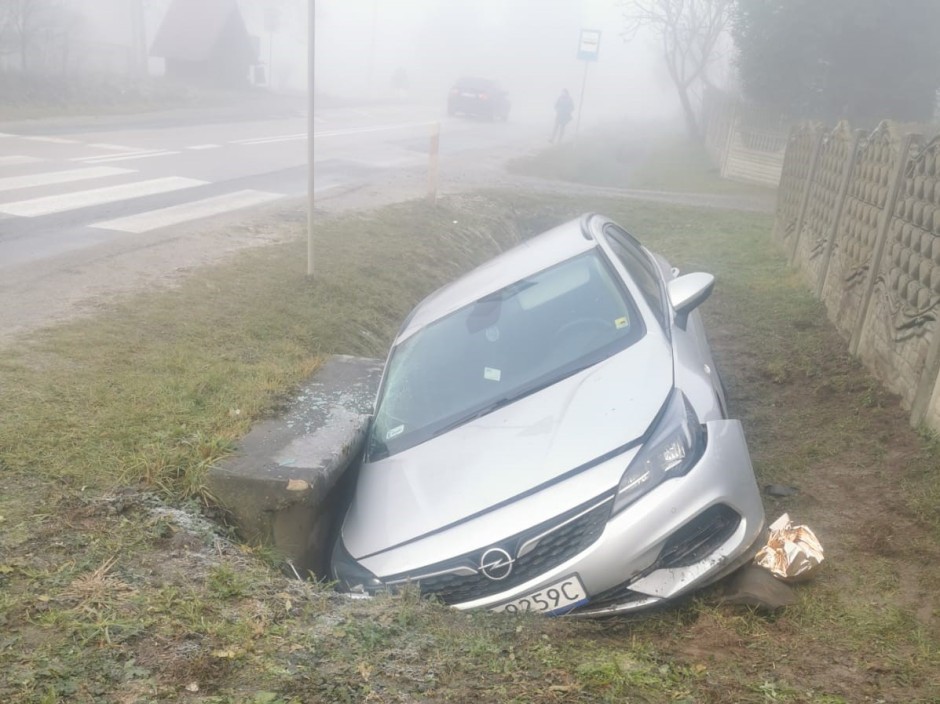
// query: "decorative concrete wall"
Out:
[796,172]
[899,323]
[815,235]
[859,214]
[844,283]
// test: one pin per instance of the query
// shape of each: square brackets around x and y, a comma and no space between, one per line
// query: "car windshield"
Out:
[500,348]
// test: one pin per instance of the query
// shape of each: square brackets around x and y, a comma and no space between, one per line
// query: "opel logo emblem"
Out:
[496,564]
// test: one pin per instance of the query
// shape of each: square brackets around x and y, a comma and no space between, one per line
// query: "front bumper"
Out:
[684,534]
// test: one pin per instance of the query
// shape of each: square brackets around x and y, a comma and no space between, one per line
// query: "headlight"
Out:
[349,574]
[674,447]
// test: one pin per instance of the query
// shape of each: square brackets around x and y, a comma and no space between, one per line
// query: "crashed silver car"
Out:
[550,435]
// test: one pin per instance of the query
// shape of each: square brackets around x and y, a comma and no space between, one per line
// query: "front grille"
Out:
[699,538]
[563,537]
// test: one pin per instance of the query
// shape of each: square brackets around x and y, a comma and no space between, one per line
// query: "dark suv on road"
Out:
[478,97]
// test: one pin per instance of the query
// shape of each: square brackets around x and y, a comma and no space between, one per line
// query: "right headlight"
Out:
[349,574]
[673,448]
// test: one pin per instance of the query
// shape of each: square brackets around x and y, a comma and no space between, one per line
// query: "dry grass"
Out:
[108,596]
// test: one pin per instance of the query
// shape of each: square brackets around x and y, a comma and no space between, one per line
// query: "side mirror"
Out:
[688,292]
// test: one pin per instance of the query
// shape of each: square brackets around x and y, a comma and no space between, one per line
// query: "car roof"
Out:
[529,257]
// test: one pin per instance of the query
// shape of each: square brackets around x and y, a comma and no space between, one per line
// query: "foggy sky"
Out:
[529,46]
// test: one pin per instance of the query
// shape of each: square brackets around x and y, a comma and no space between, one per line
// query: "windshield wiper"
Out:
[478,413]
[544,382]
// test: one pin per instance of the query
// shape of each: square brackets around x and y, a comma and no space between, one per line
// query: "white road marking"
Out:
[18,160]
[98,196]
[53,140]
[132,152]
[380,128]
[200,147]
[175,214]
[269,140]
[4,134]
[52,177]
[319,119]
[124,157]
[330,133]
[115,148]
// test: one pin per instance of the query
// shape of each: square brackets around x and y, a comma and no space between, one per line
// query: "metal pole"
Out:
[375,12]
[311,65]
[577,125]
[433,162]
[270,59]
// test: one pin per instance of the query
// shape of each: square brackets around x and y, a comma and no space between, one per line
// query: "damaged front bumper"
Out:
[686,533]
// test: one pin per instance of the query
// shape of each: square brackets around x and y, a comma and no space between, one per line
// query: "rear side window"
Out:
[640,268]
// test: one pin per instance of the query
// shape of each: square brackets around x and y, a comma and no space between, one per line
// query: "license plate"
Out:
[563,594]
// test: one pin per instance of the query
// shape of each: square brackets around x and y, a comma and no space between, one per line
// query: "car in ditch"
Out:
[550,434]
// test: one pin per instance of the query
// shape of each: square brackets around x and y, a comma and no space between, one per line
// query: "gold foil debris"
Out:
[792,552]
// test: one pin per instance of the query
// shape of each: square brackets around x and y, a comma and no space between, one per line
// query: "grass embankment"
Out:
[621,158]
[108,596]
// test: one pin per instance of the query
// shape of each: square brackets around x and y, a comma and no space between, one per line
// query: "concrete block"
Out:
[282,485]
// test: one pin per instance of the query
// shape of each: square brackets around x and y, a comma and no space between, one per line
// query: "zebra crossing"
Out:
[33,186]
[96,182]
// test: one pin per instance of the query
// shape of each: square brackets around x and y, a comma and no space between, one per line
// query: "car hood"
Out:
[512,451]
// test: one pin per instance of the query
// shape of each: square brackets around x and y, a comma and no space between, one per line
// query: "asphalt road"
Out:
[74,184]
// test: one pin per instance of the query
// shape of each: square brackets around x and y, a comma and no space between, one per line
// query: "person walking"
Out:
[564,109]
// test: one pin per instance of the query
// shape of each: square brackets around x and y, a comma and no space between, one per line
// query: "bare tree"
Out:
[25,25]
[19,27]
[689,31]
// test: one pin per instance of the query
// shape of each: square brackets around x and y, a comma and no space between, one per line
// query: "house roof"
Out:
[192,28]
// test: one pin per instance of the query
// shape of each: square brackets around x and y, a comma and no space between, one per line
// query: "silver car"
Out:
[550,435]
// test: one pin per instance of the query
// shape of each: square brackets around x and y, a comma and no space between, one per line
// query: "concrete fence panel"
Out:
[843,290]
[825,192]
[793,180]
[900,324]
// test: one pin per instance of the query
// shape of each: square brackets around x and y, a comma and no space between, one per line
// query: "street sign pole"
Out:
[272,21]
[589,46]
[577,124]
[311,65]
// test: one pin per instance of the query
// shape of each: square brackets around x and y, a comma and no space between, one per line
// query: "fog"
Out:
[529,46]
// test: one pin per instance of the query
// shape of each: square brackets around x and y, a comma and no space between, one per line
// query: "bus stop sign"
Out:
[589,45]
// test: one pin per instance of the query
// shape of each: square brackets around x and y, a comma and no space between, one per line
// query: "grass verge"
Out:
[109,593]
[618,158]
